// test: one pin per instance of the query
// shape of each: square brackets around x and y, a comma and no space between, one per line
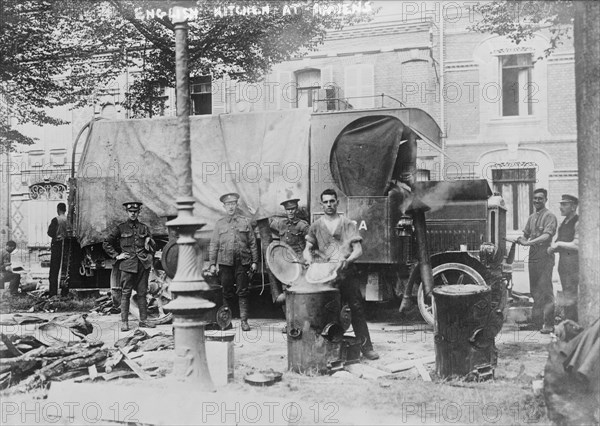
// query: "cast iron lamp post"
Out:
[189,307]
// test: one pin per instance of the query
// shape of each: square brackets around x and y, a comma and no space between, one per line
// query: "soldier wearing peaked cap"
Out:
[135,259]
[234,249]
[292,231]
[567,245]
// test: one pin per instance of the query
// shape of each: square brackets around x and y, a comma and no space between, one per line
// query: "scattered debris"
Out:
[343,375]
[20,319]
[142,341]
[64,329]
[365,371]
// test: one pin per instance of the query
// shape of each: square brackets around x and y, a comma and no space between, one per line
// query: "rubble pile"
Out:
[62,349]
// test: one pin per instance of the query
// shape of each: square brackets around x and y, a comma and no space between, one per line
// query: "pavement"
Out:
[164,400]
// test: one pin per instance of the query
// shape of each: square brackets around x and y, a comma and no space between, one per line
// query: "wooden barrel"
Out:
[464,339]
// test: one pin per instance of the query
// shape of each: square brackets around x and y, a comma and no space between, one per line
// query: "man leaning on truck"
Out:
[137,253]
[233,247]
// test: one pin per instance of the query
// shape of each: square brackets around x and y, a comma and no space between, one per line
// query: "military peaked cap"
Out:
[566,198]
[232,196]
[132,206]
[290,204]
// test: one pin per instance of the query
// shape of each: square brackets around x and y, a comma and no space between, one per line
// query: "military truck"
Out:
[367,156]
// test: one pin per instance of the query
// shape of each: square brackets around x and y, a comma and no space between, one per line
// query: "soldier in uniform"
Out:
[537,235]
[137,253]
[567,245]
[57,230]
[233,248]
[292,231]
[6,273]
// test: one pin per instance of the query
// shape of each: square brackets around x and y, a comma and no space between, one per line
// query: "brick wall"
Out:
[561,98]
[462,103]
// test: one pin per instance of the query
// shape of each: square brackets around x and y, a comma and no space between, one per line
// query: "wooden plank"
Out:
[408,364]
[93,372]
[117,374]
[422,371]
[365,371]
[134,366]
[9,345]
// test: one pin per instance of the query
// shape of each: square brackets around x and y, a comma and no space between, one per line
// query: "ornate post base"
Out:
[189,307]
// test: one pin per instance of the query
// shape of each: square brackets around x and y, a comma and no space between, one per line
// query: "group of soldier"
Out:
[541,227]
[234,256]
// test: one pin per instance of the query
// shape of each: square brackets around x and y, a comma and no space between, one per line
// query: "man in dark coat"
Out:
[57,230]
[234,249]
[135,259]
[567,245]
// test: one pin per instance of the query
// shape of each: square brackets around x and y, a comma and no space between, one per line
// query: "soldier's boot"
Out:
[125,299]
[143,306]
[244,313]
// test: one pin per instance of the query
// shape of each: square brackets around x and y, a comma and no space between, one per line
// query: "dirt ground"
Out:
[401,398]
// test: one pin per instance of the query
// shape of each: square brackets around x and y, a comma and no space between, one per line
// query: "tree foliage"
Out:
[520,20]
[55,53]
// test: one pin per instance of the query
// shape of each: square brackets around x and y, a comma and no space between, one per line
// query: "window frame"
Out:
[204,98]
[312,91]
[523,175]
[524,84]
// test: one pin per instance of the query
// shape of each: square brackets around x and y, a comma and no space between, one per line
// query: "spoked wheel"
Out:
[444,274]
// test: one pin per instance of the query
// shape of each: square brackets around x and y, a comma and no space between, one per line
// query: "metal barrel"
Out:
[464,333]
[309,310]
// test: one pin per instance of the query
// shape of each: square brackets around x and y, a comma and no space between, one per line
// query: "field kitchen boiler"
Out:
[316,321]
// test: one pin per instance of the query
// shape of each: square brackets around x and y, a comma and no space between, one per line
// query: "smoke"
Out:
[428,195]
[438,196]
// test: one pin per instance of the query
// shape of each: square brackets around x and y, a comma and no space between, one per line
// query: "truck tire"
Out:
[444,274]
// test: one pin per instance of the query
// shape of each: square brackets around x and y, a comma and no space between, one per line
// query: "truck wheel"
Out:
[444,274]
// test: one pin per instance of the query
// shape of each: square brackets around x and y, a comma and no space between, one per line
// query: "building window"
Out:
[516,187]
[308,83]
[36,158]
[359,86]
[58,157]
[517,86]
[422,175]
[201,94]
[158,100]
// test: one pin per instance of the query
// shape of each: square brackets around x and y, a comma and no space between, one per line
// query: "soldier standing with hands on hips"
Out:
[233,248]
[135,260]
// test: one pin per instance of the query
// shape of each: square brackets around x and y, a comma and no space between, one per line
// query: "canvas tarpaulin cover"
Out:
[262,156]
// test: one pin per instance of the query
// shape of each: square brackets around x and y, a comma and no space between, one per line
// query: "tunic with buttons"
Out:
[131,236]
[233,240]
[291,232]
